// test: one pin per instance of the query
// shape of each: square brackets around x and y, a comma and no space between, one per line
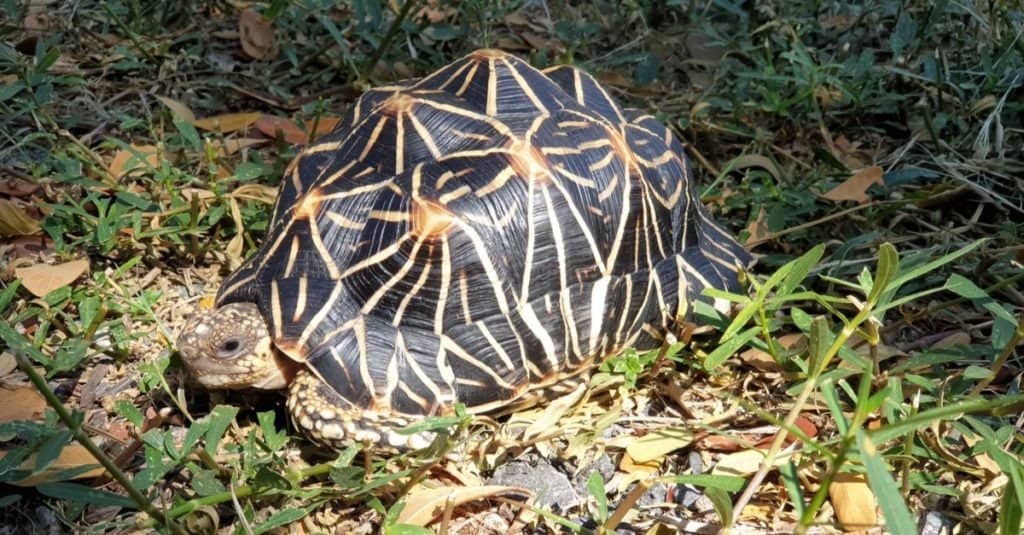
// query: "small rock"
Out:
[934,523]
[602,465]
[552,488]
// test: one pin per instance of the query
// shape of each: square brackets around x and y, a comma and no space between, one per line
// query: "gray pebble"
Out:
[552,488]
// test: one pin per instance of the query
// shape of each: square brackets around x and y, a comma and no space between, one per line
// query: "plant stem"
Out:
[385,43]
[158,516]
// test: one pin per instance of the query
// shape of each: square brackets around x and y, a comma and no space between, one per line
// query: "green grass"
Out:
[908,306]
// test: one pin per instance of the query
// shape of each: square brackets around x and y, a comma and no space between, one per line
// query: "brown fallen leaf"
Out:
[256,34]
[802,423]
[272,126]
[42,279]
[74,455]
[22,402]
[424,504]
[763,361]
[639,470]
[15,220]
[745,463]
[228,122]
[856,187]
[18,187]
[853,501]
[178,109]
[659,442]
[138,157]
[758,228]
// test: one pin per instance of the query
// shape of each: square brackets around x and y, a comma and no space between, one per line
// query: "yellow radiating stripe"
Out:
[430,383]
[497,347]
[565,305]
[399,142]
[446,278]
[598,301]
[377,257]
[584,226]
[391,216]
[469,78]
[321,249]
[625,310]
[595,144]
[530,318]
[576,179]
[321,314]
[471,135]
[603,162]
[682,301]
[577,84]
[451,78]
[372,301]
[300,299]
[530,94]
[497,182]
[560,151]
[324,182]
[275,309]
[531,238]
[373,137]
[454,194]
[391,379]
[417,286]
[467,311]
[608,190]
[492,89]
[485,260]
[342,221]
[359,328]
[425,135]
[456,349]
[501,127]
[556,234]
[293,255]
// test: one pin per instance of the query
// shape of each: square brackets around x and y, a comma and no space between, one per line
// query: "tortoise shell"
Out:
[479,233]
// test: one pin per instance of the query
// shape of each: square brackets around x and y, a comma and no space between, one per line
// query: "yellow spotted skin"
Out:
[483,235]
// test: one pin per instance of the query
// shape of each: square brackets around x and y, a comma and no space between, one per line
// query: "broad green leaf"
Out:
[1002,405]
[728,347]
[888,266]
[1004,324]
[793,487]
[221,417]
[725,483]
[82,494]
[595,485]
[897,516]
[801,268]
[722,504]
[279,519]
[205,483]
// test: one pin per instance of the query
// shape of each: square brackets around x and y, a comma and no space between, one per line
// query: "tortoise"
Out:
[483,235]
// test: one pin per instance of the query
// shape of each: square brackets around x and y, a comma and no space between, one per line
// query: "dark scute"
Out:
[595,99]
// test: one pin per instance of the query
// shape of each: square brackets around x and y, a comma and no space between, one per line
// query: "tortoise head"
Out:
[230,347]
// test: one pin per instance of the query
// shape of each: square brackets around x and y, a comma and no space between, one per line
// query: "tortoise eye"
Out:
[229,348]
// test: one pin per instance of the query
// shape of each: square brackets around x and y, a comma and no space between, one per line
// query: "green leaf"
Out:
[130,412]
[189,135]
[722,504]
[725,483]
[728,347]
[647,69]
[20,345]
[280,518]
[51,448]
[888,266]
[274,438]
[801,267]
[897,517]
[82,494]
[268,479]
[793,487]
[819,341]
[220,418]
[205,483]
[407,529]
[595,485]
[8,500]
[1004,323]
[1010,404]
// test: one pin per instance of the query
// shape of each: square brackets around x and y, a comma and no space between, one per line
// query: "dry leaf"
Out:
[228,122]
[758,228]
[7,363]
[178,109]
[272,126]
[853,501]
[21,403]
[763,361]
[139,157]
[256,34]
[554,412]
[953,340]
[42,279]
[15,221]
[856,187]
[744,463]
[659,442]
[228,147]
[423,505]
[639,470]
[73,456]
[18,187]
[746,161]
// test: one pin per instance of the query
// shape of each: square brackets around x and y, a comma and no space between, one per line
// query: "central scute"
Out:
[484,231]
